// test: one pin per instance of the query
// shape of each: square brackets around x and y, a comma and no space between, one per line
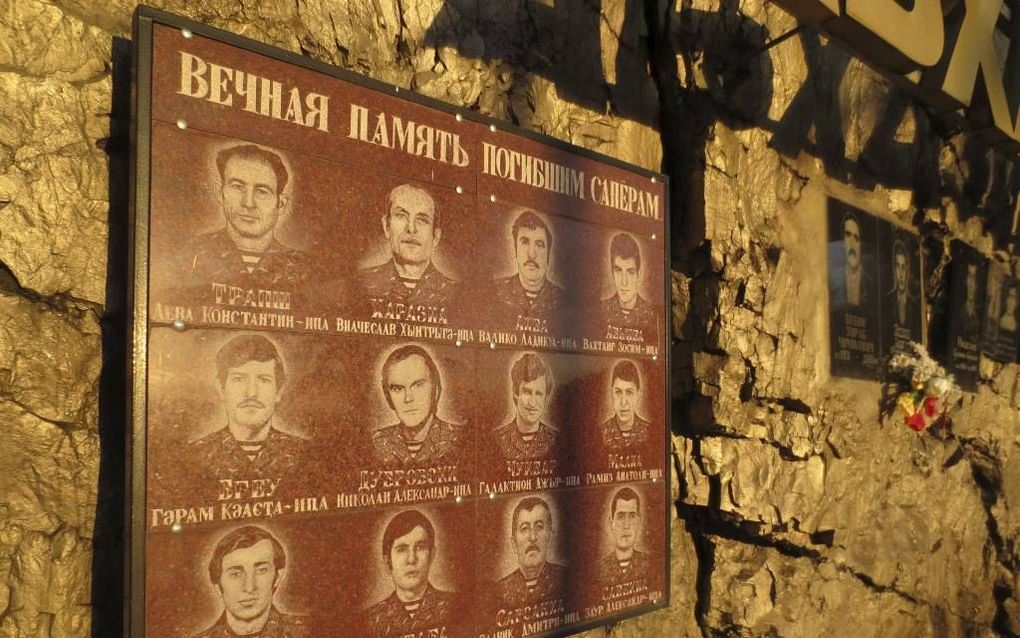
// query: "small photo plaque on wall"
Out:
[900,283]
[854,292]
[967,300]
[999,333]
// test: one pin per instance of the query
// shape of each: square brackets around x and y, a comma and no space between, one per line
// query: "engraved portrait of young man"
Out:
[626,429]
[415,604]
[246,569]
[626,314]
[624,562]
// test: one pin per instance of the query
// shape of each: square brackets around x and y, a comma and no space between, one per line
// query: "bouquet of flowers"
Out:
[927,390]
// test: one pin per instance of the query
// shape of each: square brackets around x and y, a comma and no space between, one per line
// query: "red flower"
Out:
[916,422]
[931,406]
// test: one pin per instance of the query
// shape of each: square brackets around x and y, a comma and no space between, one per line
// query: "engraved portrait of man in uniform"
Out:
[626,314]
[412,385]
[528,293]
[527,436]
[626,428]
[625,562]
[246,252]
[409,550]
[245,569]
[251,376]
[412,225]
[531,535]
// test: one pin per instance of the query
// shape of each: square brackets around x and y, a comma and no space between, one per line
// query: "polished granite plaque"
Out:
[400,370]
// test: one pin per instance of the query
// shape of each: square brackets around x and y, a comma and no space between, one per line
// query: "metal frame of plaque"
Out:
[583,368]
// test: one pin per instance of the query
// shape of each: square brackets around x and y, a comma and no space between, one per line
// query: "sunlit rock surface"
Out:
[799,511]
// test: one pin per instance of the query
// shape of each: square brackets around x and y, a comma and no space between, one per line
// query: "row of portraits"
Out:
[244,235]
[876,303]
[985,313]
[520,565]
[359,415]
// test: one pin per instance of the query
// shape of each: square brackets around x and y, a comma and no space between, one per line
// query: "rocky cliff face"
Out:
[800,511]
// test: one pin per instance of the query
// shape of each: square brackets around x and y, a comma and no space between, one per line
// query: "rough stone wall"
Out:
[811,514]
[799,510]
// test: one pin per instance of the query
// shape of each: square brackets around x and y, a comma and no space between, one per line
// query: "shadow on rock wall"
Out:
[726,75]
[108,549]
[563,42]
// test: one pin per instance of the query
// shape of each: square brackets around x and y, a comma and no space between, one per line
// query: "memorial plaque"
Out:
[399,369]
[854,297]
[967,300]
[899,276]
[999,334]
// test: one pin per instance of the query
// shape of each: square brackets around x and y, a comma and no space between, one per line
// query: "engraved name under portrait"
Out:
[409,286]
[528,435]
[245,253]
[532,536]
[251,376]
[245,570]
[625,430]
[415,604]
[626,314]
[624,563]
[412,385]
[527,298]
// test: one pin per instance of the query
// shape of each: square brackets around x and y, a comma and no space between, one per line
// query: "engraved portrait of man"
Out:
[528,293]
[245,569]
[626,429]
[1008,319]
[409,550]
[531,535]
[626,314]
[857,279]
[971,312]
[527,436]
[412,225]
[250,375]
[625,562]
[412,385]
[246,252]
[901,301]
